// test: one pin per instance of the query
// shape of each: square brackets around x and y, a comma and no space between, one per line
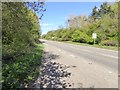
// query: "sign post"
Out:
[94,36]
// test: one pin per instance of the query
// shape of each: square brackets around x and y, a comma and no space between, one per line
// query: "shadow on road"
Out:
[53,73]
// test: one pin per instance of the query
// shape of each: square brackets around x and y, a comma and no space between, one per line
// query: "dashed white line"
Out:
[107,55]
[98,53]
[72,55]
[60,50]
[85,50]
[110,72]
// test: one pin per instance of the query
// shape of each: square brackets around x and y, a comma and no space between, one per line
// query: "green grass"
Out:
[24,70]
[97,46]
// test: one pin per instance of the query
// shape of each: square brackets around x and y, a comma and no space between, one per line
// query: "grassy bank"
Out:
[97,46]
[24,70]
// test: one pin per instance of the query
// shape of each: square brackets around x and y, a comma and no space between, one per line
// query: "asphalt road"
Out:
[101,59]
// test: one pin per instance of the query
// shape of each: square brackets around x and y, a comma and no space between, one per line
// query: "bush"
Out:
[19,29]
[76,36]
[20,55]
[81,37]
[109,43]
[23,71]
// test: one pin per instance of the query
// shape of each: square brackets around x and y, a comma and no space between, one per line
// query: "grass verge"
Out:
[23,71]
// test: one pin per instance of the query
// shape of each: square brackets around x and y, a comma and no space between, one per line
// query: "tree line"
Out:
[21,54]
[103,20]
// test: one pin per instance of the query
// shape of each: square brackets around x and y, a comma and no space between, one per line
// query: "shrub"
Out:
[109,43]
[23,71]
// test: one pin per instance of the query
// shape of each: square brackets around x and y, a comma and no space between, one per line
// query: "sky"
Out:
[57,13]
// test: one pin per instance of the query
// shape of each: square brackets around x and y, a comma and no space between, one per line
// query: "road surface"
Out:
[94,67]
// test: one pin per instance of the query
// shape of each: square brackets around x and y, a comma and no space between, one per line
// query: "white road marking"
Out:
[108,55]
[59,50]
[85,50]
[98,53]
[110,72]
[72,55]
[90,51]
[80,49]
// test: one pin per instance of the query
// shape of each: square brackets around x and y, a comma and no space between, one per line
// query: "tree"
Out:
[104,9]
[103,21]
[19,54]
[94,13]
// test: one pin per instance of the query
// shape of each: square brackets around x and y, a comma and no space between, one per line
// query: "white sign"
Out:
[94,35]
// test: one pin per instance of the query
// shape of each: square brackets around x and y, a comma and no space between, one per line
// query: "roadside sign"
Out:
[94,35]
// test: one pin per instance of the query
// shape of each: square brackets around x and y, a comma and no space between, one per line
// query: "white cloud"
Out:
[46,29]
[46,24]
[66,17]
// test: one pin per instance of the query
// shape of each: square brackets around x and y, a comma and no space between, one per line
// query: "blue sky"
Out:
[57,13]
